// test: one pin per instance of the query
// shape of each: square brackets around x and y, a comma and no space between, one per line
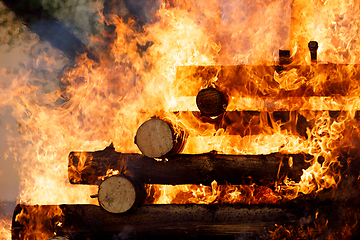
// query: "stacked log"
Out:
[157,138]
[119,194]
[186,168]
[194,221]
[211,102]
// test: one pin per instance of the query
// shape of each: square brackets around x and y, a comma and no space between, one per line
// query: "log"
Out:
[119,194]
[190,221]
[270,104]
[90,167]
[156,138]
[258,81]
[211,102]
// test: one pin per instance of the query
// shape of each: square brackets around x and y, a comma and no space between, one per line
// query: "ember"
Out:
[221,118]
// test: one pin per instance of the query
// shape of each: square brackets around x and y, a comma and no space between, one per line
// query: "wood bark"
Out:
[156,138]
[211,102]
[189,221]
[185,168]
[119,194]
[156,220]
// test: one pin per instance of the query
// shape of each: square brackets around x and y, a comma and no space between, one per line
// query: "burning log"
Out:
[258,81]
[157,138]
[211,102]
[160,220]
[91,167]
[119,194]
[187,221]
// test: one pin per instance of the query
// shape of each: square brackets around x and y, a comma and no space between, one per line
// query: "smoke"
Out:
[9,177]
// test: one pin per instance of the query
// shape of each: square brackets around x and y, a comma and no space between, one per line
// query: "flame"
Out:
[214,194]
[37,221]
[5,225]
[109,173]
[142,74]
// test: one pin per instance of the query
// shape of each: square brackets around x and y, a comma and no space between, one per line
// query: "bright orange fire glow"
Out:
[5,229]
[97,103]
[183,194]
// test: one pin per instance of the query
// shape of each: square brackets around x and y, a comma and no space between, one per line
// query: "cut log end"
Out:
[155,138]
[211,102]
[117,194]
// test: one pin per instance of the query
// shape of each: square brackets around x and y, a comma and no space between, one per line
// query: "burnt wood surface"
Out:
[185,168]
[211,102]
[188,221]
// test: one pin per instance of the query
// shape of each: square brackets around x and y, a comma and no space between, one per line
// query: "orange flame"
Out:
[184,194]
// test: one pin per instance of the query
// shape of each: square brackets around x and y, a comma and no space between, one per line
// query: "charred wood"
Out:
[313,47]
[90,167]
[190,221]
[284,57]
[211,102]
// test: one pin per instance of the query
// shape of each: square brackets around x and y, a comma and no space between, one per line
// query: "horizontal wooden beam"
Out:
[90,167]
[269,81]
[82,221]
[188,103]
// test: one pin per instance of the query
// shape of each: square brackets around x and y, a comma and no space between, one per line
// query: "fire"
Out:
[4,229]
[183,194]
[142,74]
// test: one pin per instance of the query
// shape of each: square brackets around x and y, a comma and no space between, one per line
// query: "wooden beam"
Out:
[265,81]
[90,167]
[82,221]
